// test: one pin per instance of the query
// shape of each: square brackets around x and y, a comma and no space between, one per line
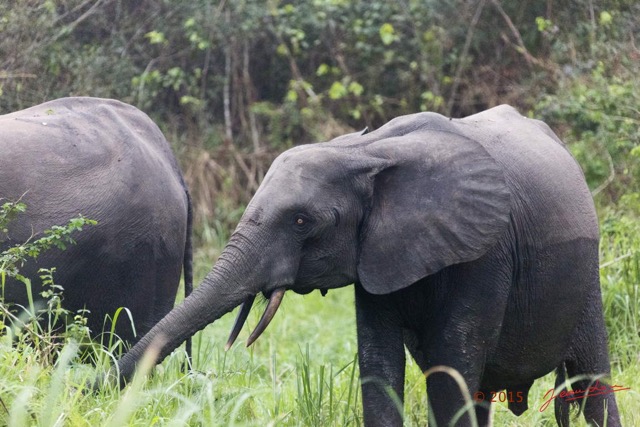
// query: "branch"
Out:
[463,56]
[297,75]
[226,90]
[5,75]
[248,85]
[609,180]
[70,27]
[519,46]
[72,11]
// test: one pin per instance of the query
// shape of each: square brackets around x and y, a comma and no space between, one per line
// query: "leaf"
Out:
[282,50]
[322,70]
[543,24]
[605,18]
[292,95]
[156,37]
[337,90]
[387,34]
[356,88]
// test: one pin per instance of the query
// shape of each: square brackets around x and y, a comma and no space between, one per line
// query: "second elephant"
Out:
[109,162]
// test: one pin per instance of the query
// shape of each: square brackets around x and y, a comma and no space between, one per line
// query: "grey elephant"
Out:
[109,162]
[473,242]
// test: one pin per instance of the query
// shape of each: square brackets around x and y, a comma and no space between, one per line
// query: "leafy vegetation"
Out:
[34,325]
[595,105]
[234,83]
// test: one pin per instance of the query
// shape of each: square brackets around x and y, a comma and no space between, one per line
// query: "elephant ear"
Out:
[440,200]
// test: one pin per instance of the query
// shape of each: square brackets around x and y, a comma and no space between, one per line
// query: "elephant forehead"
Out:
[302,169]
[290,187]
[299,184]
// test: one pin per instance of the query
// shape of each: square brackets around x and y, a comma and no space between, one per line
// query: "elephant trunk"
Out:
[226,286]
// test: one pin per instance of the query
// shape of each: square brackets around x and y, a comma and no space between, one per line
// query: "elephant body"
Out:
[109,162]
[473,242]
[530,304]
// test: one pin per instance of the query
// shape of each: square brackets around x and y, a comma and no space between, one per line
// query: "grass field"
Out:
[301,372]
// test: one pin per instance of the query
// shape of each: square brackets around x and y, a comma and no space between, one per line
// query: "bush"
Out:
[35,325]
[251,77]
[595,107]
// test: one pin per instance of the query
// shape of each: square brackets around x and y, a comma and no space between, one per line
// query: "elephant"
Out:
[109,162]
[473,242]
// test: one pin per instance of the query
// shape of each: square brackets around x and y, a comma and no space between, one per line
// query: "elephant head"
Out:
[382,209]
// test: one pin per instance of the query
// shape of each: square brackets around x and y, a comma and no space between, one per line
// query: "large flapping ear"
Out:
[442,201]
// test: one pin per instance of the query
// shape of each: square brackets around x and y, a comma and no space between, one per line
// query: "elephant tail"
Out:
[187,267]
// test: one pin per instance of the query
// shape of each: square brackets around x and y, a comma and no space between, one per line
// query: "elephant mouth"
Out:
[274,302]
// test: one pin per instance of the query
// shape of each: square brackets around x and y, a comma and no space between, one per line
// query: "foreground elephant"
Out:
[474,242]
[109,162]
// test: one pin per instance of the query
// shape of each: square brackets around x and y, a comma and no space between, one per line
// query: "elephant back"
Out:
[79,155]
[546,183]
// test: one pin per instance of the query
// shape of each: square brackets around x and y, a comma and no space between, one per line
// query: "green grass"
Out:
[302,371]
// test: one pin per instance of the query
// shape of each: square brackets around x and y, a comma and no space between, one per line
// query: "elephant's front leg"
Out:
[381,358]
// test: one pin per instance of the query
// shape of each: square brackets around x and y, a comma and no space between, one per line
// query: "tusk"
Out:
[245,308]
[274,302]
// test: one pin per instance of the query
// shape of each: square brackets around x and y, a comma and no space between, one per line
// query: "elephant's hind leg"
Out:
[598,409]
[590,358]
[483,409]
[561,406]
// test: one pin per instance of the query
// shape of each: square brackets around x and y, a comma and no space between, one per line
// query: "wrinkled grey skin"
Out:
[109,162]
[472,242]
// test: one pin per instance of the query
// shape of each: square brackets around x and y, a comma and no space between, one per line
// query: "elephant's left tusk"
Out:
[274,302]
[245,308]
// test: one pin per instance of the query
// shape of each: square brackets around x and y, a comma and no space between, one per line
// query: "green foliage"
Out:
[205,64]
[602,109]
[8,212]
[35,325]
[316,394]
[620,269]
[596,110]
[261,77]
[57,236]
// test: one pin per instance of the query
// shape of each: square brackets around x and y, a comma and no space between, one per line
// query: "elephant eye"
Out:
[301,220]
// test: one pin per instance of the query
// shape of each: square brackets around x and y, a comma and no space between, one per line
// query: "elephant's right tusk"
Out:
[245,308]
[274,302]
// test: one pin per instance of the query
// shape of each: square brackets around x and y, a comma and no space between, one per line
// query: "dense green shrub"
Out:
[244,71]
[254,76]
[595,105]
